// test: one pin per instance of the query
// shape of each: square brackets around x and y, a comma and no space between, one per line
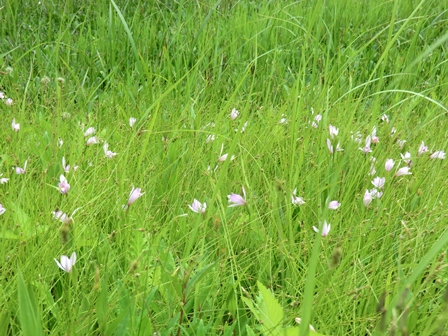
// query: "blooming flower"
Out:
[89,131]
[63,185]
[367,198]
[376,193]
[132,121]
[8,102]
[333,131]
[385,118]
[223,157]
[378,182]
[134,195]
[21,170]
[403,171]
[64,166]
[406,158]
[401,143]
[330,147]
[15,126]
[237,200]
[198,207]
[295,200]
[366,148]
[374,137]
[393,131]
[61,216]
[210,138]
[438,155]
[389,164]
[107,152]
[2,95]
[92,141]
[60,142]
[316,121]
[234,114]
[333,205]
[2,210]
[3,180]
[67,263]
[422,149]
[325,229]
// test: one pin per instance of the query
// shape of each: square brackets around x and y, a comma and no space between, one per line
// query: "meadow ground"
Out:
[223,167]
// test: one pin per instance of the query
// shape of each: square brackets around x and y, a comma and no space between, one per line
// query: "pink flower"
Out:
[15,126]
[378,182]
[374,138]
[375,193]
[401,143]
[389,164]
[107,152]
[234,114]
[366,148]
[438,155]
[2,210]
[295,200]
[367,198]
[21,170]
[325,229]
[89,131]
[134,195]
[422,149]
[3,180]
[330,147]
[64,166]
[333,131]
[67,263]
[63,185]
[2,95]
[406,158]
[237,200]
[403,171]
[132,121]
[92,141]
[61,216]
[8,102]
[333,205]
[198,207]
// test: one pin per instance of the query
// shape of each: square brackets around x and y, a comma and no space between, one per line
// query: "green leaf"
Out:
[28,311]
[271,311]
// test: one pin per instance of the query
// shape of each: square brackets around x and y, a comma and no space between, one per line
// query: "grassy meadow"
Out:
[223,167]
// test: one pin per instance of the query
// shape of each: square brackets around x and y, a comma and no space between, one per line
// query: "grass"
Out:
[179,68]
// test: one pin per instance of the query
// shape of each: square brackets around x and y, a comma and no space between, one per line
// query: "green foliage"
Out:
[179,68]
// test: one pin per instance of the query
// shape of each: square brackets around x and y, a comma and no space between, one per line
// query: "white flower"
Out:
[210,138]
[89,131]
[67,263]
[234,114]
[132,121]
[107,152]
[198,207]
[92,141]
[15,126]
[438,155]
[295,200]
[325,229]
[378,182]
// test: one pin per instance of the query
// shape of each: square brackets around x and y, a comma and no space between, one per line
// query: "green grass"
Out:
[179,67]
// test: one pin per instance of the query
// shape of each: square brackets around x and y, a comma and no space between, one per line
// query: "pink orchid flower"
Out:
[333,131]
[234,114]
[67,263]
[403,171]
[134,195]
[295,200]
[92,141]
[367,198]
[63,185]
[198,207]
[378,182]
[2,210]
[389,164]
[422,149]
[325,229]
[15,126]
[333,205]
[237,200]
[132,121]
[438,155]
[89,131]
[21,170]
[107,152]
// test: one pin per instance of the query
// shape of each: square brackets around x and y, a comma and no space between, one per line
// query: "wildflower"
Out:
[330,147]
[64,166]
[316,121]
[299,320]
[61,216]
[210,138]
[89,131]
[198,207]
[222,158]
[393,131]
[67,263]
[333,205]
[325,229]
[63,185]
[367,198]
[237,200]
[403,171]
[378,182]
[295,200]
[60,143]
[132,121]
[356,137]
[438,155]
[406,158]
[134,195]
[401,143]
[374,137]
[2,210]
[15,126]
[389,164]
[3,180]
[422,149]
[21,170]
[107,152]
[385,118]
[2,95]
[283,120]
[333,131]
[92,141]
[376,193]
[8,102]
[234,114]
[366,148]
[372,170]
